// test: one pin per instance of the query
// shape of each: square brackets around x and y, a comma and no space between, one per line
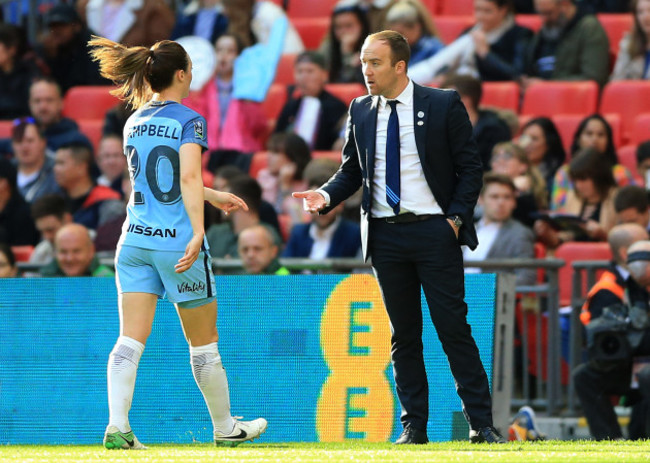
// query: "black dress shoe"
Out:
[410,435]
[488,434]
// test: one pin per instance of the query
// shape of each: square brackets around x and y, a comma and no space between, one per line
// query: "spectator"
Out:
[17,69]
[63,48]
[116,118]
[259,253]
[16,225]
[75,255]
[374,10]
[311,111]
[342,46]
[543,145]
[593,132]
[571,45]
[129,22]
[46,106]
[288,157]
[411,19]
[493,49]
[233,124]
[222,238]
[203,18]
[597,379]
[488,128]
[49,214]
[35,167]
[111,162]
[328,235]
[510,159]
[90,205]
[252,21]
[633,59]
[8,267]
[643,162]
[631,206]
[591,200]
[499,235]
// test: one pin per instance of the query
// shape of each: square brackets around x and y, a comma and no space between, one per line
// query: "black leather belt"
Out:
[407,217]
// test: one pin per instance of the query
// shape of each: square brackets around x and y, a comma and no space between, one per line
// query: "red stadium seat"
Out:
[432,6]
[616,25]
[456,7]
[284,71]
[641,131]
[22,253]
[556,97]
[92,128]
[567,124]
[501,95]
[531,21]
[346,92]
[312,31]
[572,251]
[274,101]
[258,162]
[88,102]
[334,155]
[310,9]
[450,27]
[5,129]
[627,157]
[629,98]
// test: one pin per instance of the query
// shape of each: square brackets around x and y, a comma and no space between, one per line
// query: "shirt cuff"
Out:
[325,195]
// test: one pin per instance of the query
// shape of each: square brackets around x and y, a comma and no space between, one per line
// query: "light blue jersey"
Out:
[153,135]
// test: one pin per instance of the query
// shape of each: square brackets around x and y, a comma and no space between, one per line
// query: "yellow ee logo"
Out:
[356,401]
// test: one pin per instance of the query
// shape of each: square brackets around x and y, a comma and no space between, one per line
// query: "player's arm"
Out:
[227,202]
[193,198]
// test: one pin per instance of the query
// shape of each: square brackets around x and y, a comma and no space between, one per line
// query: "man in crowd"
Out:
[111,162]
[75,255]
[90,205]
[259,253]
[16,225]
[631,206]
[49,214]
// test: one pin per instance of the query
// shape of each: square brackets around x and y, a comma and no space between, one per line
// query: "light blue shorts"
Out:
[140,270]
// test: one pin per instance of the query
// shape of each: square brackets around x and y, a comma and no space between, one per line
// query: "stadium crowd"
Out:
[556,91]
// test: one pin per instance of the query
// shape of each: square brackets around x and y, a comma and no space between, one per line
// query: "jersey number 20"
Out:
[162,174]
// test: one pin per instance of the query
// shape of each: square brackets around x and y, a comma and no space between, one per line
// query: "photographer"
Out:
[616,314]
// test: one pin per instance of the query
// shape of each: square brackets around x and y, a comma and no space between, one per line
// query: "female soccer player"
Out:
[162,248]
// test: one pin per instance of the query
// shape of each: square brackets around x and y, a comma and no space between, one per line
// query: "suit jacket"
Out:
[345,241]
[515,240]
[447,150]
[331,112]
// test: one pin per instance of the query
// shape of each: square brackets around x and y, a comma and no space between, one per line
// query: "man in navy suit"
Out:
[411,150]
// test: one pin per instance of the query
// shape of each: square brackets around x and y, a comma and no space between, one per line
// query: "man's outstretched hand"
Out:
[311,200]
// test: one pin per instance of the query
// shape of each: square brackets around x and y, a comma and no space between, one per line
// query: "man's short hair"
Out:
[399,46]
[49,205]
[465,86]
[631,196]
[501,179]
[20,127]
[312,57]
[49,80]
[247,188]
[643,152]
[80,152]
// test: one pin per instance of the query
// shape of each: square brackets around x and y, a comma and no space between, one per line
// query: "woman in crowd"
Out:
[593,132]
[633,60]
[543,146]
[591,199]
[493,49]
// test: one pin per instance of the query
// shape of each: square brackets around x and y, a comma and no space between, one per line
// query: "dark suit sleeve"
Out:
[465,158]
[347,180]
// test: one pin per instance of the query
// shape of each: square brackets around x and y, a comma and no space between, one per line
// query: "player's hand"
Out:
[227,202]
[312,201]
[191,253]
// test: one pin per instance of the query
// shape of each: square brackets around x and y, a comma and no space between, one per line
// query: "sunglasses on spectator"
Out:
[23,120]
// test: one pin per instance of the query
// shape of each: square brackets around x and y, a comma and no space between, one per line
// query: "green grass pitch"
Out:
[448,452]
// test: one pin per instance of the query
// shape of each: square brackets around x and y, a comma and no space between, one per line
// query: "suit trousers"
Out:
[405,258]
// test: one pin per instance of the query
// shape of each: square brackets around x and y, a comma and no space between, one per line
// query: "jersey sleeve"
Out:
[196,131]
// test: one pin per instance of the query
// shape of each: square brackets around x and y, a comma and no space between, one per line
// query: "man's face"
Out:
[632,215]
[226,48]
[310,78]
[110,158]
[550,11]
[74,252]
[62,34]
[379,74]
[498,202]
[67,171]
[45,103]
[256,250]
[48,226]
[30,150]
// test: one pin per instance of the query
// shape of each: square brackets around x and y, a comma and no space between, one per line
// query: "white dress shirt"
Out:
[415,194]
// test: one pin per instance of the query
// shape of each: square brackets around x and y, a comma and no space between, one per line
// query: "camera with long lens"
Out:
[616,333]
